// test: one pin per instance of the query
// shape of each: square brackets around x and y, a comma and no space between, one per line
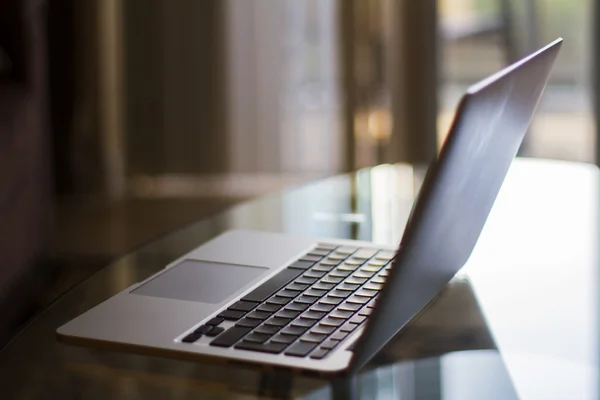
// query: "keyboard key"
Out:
[280,301]
[347,287]
[346,267]
[337,256]
[303,264]
[296,287]
[346,250]
[295,306]
[341,314]
[364,254]
[230,336]
[370,268]
[348,327]
[294,330]
[313,259]
[330,344]
[300,349]
[322,268]
[349,307]
[270,308]
[363,274]
[215,321]
[358,300]
[385,255]
[332,279]
[286,339]
[215,331]
[306,299]
[372,303]
[327,246]
[288,293]
[342,294]
[313,338]
[192,337]
[319,354]
[231,315]
[323,286]
[249,323]
[276,321]
[271,286]
[365,311]
[366,293]
[355,281]
[257,337]
[332,322]
[243,306]
[377,263]
[315,293]
[313,315]
[357,319]
[319,252]
[339,335]
[267,329]
[330,300]
[305,281]
[304,322]
[331,263]
[320,307]
[287,314]
[203,329]
[339,274]
[313,274]
[272,348]
[373,286]
[323,329]
[384,274]
[379,280]
[259,315]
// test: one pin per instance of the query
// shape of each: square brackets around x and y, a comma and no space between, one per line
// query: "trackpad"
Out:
[201,281]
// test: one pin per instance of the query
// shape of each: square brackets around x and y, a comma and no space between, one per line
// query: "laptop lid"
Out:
[457,195]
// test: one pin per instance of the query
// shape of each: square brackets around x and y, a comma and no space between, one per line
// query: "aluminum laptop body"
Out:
[239,297]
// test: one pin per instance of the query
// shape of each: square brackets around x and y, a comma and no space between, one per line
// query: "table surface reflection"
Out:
[518,321]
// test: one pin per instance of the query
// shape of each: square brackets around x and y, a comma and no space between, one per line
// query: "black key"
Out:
[270,308]
[287,314]
[259,315]
[288,293]
[347,287]
[230,336]
[297,287]
[357,319]
[330,344]
[303,264]
[323,286]
[273,348]
[306,299]
[355,281]
[346,267]
[215,321]
[313,338]
[364,254]
[373,286]
[295,306]
[332,322]
[319,252]
[204,329]
[332,279]
[322,268]
[308,258]
[313,315]
[313,274]
[348,327]
[339,274]
[349,307]
[271,286]
[286,339]
[365,311]
[323,329]
[280,301]
[300,349]
[276,321]
[320,307]
[319,354]
[242,306]
[339,335]
[294,330]
[346,250]
[379,280]
[370,268]
[257,337]
[315,293]
[215,331]
[363,274]
[330,300]
[358,300]
[372,303]
[303,280]
[341,314]
[231,315]
[342,294]
[366,293]
[249,323]
[192,337]
[304,322]
[267,329]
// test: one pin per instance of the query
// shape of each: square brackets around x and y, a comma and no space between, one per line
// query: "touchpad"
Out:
[202,281]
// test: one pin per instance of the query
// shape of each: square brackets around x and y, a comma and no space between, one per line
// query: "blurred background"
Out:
[130,118]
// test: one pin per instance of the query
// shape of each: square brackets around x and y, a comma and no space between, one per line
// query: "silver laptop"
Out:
[328,306]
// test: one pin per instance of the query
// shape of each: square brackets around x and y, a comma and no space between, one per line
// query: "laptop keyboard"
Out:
[308,308]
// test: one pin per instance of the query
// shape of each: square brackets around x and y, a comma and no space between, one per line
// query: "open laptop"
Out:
[328,306]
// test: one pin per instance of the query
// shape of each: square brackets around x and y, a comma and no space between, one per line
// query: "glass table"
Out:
[518,321]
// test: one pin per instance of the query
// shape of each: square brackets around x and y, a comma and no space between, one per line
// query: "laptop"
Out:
[326,307]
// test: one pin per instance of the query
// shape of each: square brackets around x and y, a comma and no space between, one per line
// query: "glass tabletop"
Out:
[518,321]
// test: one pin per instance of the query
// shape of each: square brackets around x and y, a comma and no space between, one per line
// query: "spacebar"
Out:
[267,289]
